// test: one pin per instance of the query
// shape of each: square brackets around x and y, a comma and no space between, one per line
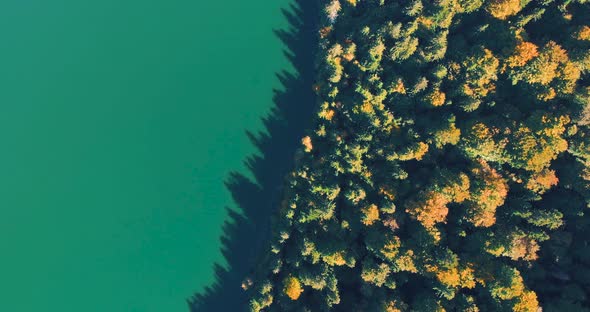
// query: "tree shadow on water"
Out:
[246,234]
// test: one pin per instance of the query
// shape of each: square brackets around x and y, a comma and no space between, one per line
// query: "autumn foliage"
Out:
[293,288]
[502,9]
[448,165]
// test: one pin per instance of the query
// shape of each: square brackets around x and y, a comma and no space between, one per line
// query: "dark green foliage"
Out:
[449,165]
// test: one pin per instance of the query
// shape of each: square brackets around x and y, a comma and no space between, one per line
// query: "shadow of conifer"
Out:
[247,233]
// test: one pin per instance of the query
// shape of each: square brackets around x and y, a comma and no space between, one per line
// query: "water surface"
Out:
[119,122]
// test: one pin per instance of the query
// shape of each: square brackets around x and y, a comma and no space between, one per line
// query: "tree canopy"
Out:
[448,168]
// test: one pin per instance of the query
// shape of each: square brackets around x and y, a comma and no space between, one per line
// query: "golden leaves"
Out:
[292,288]
[502,9]
[306,141]
[370,214]
[524,52]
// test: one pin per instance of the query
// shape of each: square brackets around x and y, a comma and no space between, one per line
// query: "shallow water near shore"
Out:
[119,122]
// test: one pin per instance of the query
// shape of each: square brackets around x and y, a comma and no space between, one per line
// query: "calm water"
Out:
[119,122]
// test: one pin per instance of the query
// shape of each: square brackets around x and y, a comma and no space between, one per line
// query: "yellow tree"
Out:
[483,141]
[488,193]
[542,181]
[430,207]
[292,288]
[502,9]
[436,98]
[535,144]
[523,52]
[526,302]
[583,33]
[447,135]
[369,214]
[551,64]
[522,247]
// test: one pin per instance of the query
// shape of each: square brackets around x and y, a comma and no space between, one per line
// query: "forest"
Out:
[448,163]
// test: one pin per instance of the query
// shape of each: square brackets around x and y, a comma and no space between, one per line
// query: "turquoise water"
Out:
[119,122]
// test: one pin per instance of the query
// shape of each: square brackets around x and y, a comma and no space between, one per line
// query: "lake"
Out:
[119,123]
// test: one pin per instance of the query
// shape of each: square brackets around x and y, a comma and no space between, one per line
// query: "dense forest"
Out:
[448,167]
